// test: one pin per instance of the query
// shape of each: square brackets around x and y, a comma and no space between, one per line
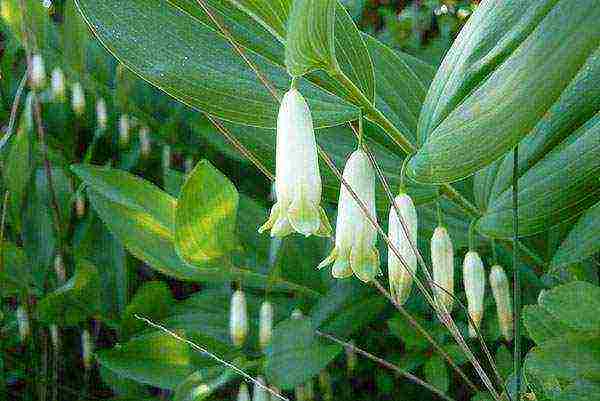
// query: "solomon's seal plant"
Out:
[501,292]
[238,318]
[442,262]
[474,282]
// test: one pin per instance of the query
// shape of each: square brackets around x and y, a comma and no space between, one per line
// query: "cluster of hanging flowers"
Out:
[238,321]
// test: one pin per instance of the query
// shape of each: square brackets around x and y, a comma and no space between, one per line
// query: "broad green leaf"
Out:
[541,325]
[436,373]
[16,275]
[156,359]
[576,304]
[205,215]
[153,301]
[504,361]
[201,384]
[508,67]
[271,14]
[296,354]
[558,188]
[75,37]
[75,301]
[583,240]
[580,390]
[310,41]
[192,61]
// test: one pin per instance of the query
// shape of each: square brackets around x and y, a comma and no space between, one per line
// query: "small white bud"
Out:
[54,336]
[238,318]
[23,323]
[79,205]
[77,99]
[124,129]
[474,282]
[243,393]
[260,393]
[145,144]
[38,72]
[57,85]
[400,278]
[325,385]
[87,348]
[501,292]
[188,164]
[298,180]
[101,115]
[297,314]
[265,324]
[355,237]
[166,157]
[463,13]
[59,269]
[442,261]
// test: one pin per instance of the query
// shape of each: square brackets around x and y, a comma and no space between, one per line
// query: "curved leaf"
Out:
[582,241]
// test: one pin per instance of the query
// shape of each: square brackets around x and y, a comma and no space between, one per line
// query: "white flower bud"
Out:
[243,393]
[54,336]
[400,278]
[38,72]
[298,180]
[166,157]
[442,261]
[124,129]
[463,13]
[188,164]
[260,393]
[355,237]
[87,348]
[101,115]
[474,282]
[145,144]
[351,358]
[59,269]
[297,314]
[79,205]
[23,323]
[501,292]
[238,318]
[325,385]
[77,99]
[57,85]
[265,324]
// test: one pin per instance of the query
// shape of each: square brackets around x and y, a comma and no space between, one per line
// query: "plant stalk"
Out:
[516,275]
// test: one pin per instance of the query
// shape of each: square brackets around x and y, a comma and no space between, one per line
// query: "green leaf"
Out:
[541,325]
[17,275]
[558,188]
[153,301]
[75,301]
[192,61]
[156,359]
[271,14]
[583,240]
[202,384]
[205,216]
[436,373]
[296,354]
[504,361]
[576,304]
[580,390]
[505,71]
[310,43]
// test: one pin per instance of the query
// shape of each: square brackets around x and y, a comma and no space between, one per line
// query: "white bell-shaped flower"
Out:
[297,181]
[23,323]
[87,348]
[145,143]
[400,278]
[442,263]
[238,318]
[101,115]
[38,72]
[474,282]
[124,127]
[57,85]
[355,237]
[77,99]
[501,292]
[265,327]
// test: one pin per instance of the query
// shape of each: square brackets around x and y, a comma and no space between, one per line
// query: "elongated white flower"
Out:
[23,323]
[54,336]
[59,269]
[77,99]
[355,236]
[238,318]
[57,84]
[400,278]
[38,72]
[166,157]
[442,261]
[501,292]
[87,348]
[124,128]
[260,393]
[79,205]
[145,144]
[243,394]
[474,282]
[101,115]
[298,180]
[265,331]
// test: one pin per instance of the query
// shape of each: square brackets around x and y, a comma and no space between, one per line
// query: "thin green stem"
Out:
[516,275]
[472,235]
[438,210]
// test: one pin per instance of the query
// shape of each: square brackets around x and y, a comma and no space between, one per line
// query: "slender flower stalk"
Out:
[101,115]
[77,99]
[238,318]
[38,72]
[265,324]
[501,292]
[243,393]
[124,127]
[401,279]
[298,180]
[57,85]
[325,385]
[474,282]
[442,262]
[355,237]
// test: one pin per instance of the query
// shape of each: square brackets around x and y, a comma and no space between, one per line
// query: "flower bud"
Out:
[351,358]
[463,13]
[265,324]
[260,393]
[79,205]
[166,157]
[57,85]
[188,164]
[474,282]
[501,292]
[87,348]
[59,269]
[243,394]
[77,99]
[238,318]
[400,278]
[124,130]
[54,336]
[297,314]
[298,180]
[442,261]
[38,72]
[101,115]
[23,323]
[355,237]
[145,144]
[325,385]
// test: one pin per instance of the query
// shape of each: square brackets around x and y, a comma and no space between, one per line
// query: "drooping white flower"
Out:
[442,262]
[59,269]
[54,336]
[474,282]
[124,128]
[87,348]
[243,394]
[238,318]
[77,99]
[57,84]
[400,278]
[38,72]
[298,180]
[355,237]
[23,323]
[101,115]
[145,144]
[501,292]
[265,331]
[166,157]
